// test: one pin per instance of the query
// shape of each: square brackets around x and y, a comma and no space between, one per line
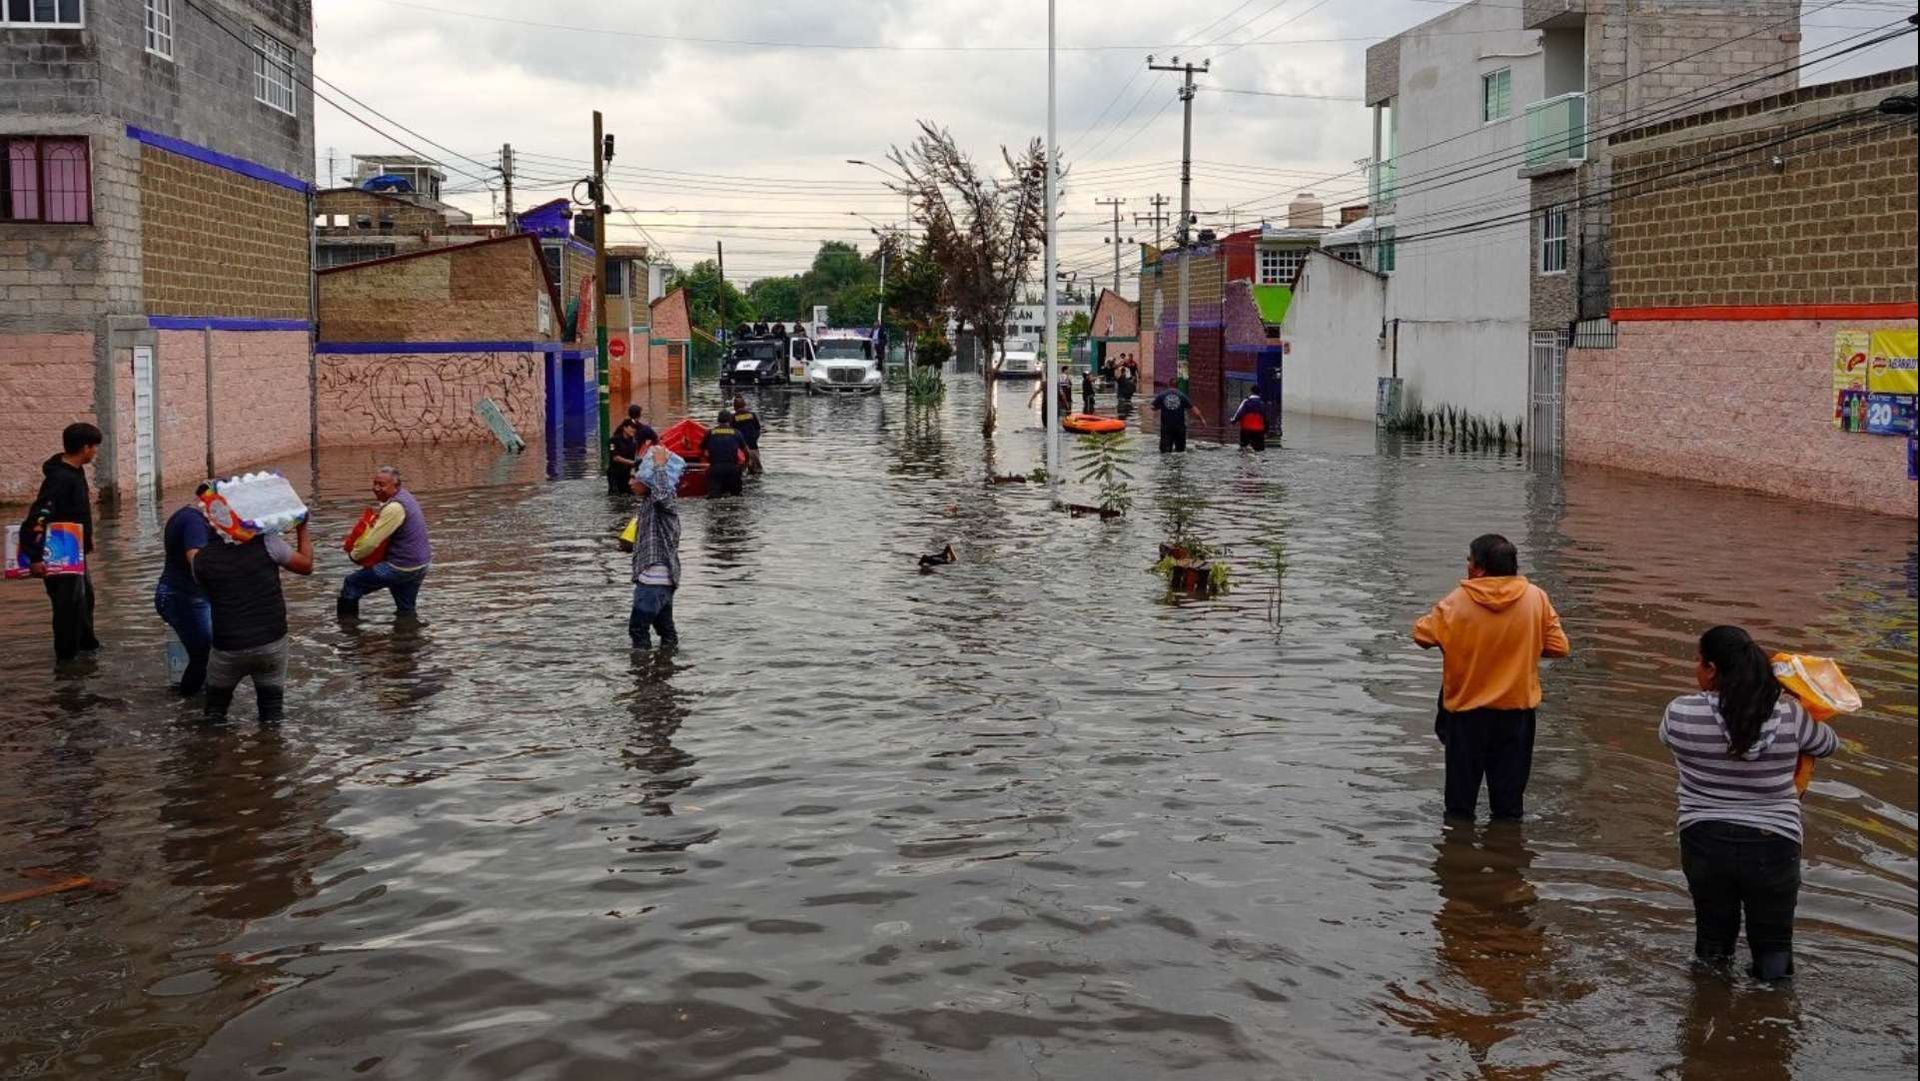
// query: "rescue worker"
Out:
[748,425]
[726,453]
[1173,406]
[629,440]
[1251,419]
[1086,391]
[402,527]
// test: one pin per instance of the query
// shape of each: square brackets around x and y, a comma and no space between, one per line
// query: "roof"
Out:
[1355,232]
[1273,302]
[1287,232]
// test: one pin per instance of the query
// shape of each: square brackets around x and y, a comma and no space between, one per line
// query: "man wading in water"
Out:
[656,549]
[1493,630]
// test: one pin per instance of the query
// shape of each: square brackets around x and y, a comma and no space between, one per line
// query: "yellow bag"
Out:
[628,534]
[1822,688]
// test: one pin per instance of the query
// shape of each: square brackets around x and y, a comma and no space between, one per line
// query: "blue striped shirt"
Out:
[1754,790]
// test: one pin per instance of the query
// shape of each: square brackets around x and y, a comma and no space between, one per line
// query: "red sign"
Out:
[617,348]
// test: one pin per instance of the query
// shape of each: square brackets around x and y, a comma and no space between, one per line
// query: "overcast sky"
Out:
[472,74]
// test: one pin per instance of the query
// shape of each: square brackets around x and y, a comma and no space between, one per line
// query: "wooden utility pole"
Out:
[1182,228]
[602,153]
[1116,204]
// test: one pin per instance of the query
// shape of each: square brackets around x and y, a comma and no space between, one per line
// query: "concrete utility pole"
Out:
[1116,204]
[506,178]
[1157,219]
[602,153]
[1050,411]
[1182,228]
[720,256]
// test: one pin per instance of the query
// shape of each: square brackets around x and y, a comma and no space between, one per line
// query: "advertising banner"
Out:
[1850,348]
[1892,367]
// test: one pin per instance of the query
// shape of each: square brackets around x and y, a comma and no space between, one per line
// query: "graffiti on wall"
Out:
[424,400]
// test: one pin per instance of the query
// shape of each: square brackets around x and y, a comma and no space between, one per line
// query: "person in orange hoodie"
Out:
[1493,631]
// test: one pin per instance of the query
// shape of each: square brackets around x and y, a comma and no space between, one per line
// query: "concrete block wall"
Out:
[1554,297]
[424,399]
[487,291]
[215,242]
[46,383]
[180,406]
[405,218]
[67,276]
[1745,404]
[1834,223]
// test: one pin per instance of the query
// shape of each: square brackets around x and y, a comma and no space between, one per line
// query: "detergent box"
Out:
[65,551]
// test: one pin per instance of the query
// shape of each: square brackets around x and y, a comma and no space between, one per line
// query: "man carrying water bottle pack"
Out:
[400,525]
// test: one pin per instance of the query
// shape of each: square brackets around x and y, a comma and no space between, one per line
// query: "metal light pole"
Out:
[1051,410]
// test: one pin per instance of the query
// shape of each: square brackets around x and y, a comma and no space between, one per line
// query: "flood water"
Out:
[1021,817]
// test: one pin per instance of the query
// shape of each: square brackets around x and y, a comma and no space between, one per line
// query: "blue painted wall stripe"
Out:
[217,160]
[223,322]
[367,348]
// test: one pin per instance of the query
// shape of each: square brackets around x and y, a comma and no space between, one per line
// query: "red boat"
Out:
[685,439]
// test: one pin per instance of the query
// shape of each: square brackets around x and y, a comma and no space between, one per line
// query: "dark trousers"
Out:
[1496,744]
[1732,868]
[652,611]
[1173,437]
[1086,401]
[72,597]
[1256,440]
[618,477]
[723,482]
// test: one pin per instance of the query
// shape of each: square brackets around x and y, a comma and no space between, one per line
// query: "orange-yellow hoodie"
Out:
[1494,632]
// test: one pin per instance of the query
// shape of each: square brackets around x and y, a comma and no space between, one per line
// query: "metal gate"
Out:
[1546,375]
[144,471]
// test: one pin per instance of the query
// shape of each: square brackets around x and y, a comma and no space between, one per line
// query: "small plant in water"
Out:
[1103,459]
[925,386]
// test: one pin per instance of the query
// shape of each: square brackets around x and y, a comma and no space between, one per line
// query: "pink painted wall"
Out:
[180,386]
[260,396]
[46,383]
[1743,404]
[422,399]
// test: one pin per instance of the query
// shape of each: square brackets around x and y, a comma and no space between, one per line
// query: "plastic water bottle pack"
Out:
[254,503]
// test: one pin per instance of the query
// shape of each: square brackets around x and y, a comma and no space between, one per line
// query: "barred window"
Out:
[160,28]
[45,180]
[273,72]
[42,13]
[1279,266]
[1553,240]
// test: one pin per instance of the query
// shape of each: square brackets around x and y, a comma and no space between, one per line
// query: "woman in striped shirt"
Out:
[1736,743]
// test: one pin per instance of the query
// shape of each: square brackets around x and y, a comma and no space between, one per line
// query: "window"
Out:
[331,255]
[1279,266]
[160,28]
[1383,254]
[1350,255]
[551,254]
[272,72]
[45,180]
[1553,240]
[1496,95]
[41,13]
[616,277]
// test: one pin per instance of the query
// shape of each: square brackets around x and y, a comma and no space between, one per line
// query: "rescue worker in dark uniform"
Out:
[747,423]
[1086,391]
[726,453]
[629,440]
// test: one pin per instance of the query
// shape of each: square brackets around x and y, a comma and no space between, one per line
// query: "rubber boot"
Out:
[273,704]
[219,700]
[346,609]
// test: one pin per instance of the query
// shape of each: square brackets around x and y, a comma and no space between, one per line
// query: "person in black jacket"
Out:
[726,451]
[747,423]
[64,497]
[629,440]
[242,584]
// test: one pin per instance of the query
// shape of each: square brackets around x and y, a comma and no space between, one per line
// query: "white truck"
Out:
[848,361]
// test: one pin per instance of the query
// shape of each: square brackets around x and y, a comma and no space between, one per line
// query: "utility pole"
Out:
[1182,228]
[1157,219]
[602,153]
[720,254]
[1116,204]
[1050,410]
[506,177]
[329,167]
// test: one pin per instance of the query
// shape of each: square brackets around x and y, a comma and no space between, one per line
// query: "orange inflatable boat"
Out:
[1092,423]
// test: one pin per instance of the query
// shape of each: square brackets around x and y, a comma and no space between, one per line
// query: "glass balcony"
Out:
[1557,130]
[1383,182]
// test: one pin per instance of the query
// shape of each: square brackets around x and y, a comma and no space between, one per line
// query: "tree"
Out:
[916,294]
[705,290]
[1077,327]
[984,231]
[777,298]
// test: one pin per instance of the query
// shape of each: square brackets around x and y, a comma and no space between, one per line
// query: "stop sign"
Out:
[617,348]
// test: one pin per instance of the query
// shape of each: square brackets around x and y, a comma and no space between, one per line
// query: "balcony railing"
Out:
[1383,183]
[1557,130]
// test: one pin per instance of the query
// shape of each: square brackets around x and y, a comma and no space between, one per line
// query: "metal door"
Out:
[144,466]
[1546,375]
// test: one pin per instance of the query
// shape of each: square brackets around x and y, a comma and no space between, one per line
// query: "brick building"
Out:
[410,343]
[1752,246]
[154,219]
[1114,331]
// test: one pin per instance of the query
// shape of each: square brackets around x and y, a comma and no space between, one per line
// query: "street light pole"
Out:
[1182,230]
[1051,410]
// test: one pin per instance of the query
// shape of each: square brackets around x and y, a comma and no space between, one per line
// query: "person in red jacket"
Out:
[1251,419]
[1493,630]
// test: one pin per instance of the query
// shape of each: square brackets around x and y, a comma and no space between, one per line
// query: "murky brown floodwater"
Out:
[1018,818]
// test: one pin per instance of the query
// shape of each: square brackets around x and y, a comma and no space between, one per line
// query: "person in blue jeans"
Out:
[178,598]
[402,527]
[656,548]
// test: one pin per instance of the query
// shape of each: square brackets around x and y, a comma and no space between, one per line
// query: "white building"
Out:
[1490,188]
